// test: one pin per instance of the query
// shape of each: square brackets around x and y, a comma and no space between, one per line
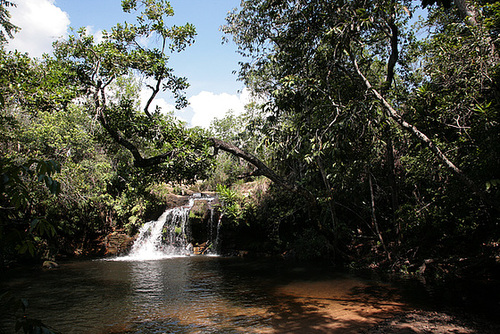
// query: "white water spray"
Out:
[166,237]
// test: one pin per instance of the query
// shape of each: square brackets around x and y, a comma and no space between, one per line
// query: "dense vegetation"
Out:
[379,133]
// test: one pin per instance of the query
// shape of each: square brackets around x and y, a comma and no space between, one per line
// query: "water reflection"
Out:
[201,295]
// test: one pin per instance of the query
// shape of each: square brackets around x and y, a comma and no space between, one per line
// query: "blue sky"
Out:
[208,64]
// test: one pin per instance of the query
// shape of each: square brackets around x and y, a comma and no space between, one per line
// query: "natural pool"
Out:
[198,294]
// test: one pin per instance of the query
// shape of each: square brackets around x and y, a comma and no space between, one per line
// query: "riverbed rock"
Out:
[50,265]
[203,218]
[201,249]
[420,321]
[173,201]
[117,243]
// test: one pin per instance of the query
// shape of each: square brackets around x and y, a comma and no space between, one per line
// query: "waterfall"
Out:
[165,237]
[217,235]
[168,236]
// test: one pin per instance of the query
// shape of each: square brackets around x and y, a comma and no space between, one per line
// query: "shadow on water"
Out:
[204,295]
[271,297]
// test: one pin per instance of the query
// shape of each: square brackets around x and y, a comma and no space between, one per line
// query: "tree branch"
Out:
[393,59]
[217,144]
[140,161]
[155,89]
[262,168]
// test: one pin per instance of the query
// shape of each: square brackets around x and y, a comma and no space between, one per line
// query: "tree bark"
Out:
[391,64]
[392,179]
[394,56]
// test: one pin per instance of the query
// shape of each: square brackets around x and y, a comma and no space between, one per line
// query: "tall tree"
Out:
[342,79]
[352,37]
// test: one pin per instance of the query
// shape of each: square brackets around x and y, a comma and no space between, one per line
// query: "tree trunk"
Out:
[331,202]
[391,177]
[374,216]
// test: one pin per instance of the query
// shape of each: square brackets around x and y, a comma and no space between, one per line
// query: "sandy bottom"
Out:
[340,306]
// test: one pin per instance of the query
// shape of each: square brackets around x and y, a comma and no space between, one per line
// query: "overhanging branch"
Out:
[155,89]
[140,161]
[217,144]
[262,168]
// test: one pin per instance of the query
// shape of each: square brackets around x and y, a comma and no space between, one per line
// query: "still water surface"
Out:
[197,294]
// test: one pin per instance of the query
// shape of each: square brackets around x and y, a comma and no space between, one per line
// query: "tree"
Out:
[183,153]
[120,54]
[24,89]
[340,78]
[53,109]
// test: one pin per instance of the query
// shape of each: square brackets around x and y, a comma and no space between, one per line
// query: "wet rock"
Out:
[201,249]
[203,217]
[50,265]
[117,243]
[173,201]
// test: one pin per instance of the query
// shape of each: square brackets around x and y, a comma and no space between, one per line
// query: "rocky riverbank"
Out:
[421,321]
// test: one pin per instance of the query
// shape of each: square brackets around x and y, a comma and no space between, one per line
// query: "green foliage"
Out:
[231,206]
[52,111]
[326,134]
[18,228]
[243,131]
[172,152]
[492,184]
[319,128]
[15,177]
[309,244]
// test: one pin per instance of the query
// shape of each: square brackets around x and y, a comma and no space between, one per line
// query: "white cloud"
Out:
[41,23]
[207,106]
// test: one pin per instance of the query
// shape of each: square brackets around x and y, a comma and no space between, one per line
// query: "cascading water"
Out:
[217,235]
[167,236]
